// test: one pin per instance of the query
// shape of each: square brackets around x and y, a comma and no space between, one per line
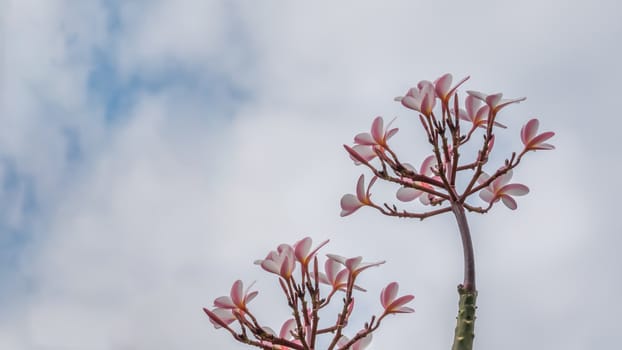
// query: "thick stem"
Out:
[465,325]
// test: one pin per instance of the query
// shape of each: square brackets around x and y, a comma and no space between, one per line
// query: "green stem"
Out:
[463,337]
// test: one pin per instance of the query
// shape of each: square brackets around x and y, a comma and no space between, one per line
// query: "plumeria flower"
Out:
[532,141]
[442,87]
[360,344]
[495,101]
[500,189]
[281,262]
[421,99]
[302,250]
[237,300]
[336,276]
[392,304]
[407,194]
[351,203]
[354,265]
[476,113]
[367,142]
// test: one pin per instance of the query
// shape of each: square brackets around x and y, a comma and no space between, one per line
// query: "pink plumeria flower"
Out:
[302,250]
[407,194]
[360,344]
[281,262]
[532,141]
[500,189]
[495,101]
[421,99]
[367,142]
[354,265]
[351,203]
[336,276]
[238,298]
[392,304]
[476,113]
[226,306]
[442,87]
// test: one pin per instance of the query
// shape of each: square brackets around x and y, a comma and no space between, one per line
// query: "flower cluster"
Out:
[302,283]
[443,180]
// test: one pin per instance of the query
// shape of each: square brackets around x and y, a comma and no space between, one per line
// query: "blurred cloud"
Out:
[151,150]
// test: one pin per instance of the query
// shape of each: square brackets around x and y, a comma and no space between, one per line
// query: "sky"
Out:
[150,151]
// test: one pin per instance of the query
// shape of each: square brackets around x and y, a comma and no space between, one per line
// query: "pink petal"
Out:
[407,194]
[536,141]
[478,95]
[366,153]
[483,178]
[509,202]
[364,138]
[426,166]
[362,343]
[472,106]
[353,263]
[493,99]
[529,130]
[286,268]
[442,84]
[399,302]
[250,296]
[388,294]
[360,189]
[220,317]
[365,266]
[338,258]
[486,195]
[502,180]
[481,116]
[451,92]
[367,194]
[332,268]
[270,266]
[504,103]
[515,189]
[287,329]
[390,133]
[411,102]
[377,130]
[224,302]
[544,146]
[236,293]
[301,248]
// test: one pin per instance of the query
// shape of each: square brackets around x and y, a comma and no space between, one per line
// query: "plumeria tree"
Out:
[447,180]
[308,293]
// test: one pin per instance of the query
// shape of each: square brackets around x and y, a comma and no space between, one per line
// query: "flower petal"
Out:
[236,293]
[509,202]
[529,130]
[360,189]
[515,189]
[486,195]
[365,139]
[377,130]
[388,294]
[407,194]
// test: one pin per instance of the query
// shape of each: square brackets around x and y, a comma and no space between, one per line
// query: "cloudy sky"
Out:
[151,150]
